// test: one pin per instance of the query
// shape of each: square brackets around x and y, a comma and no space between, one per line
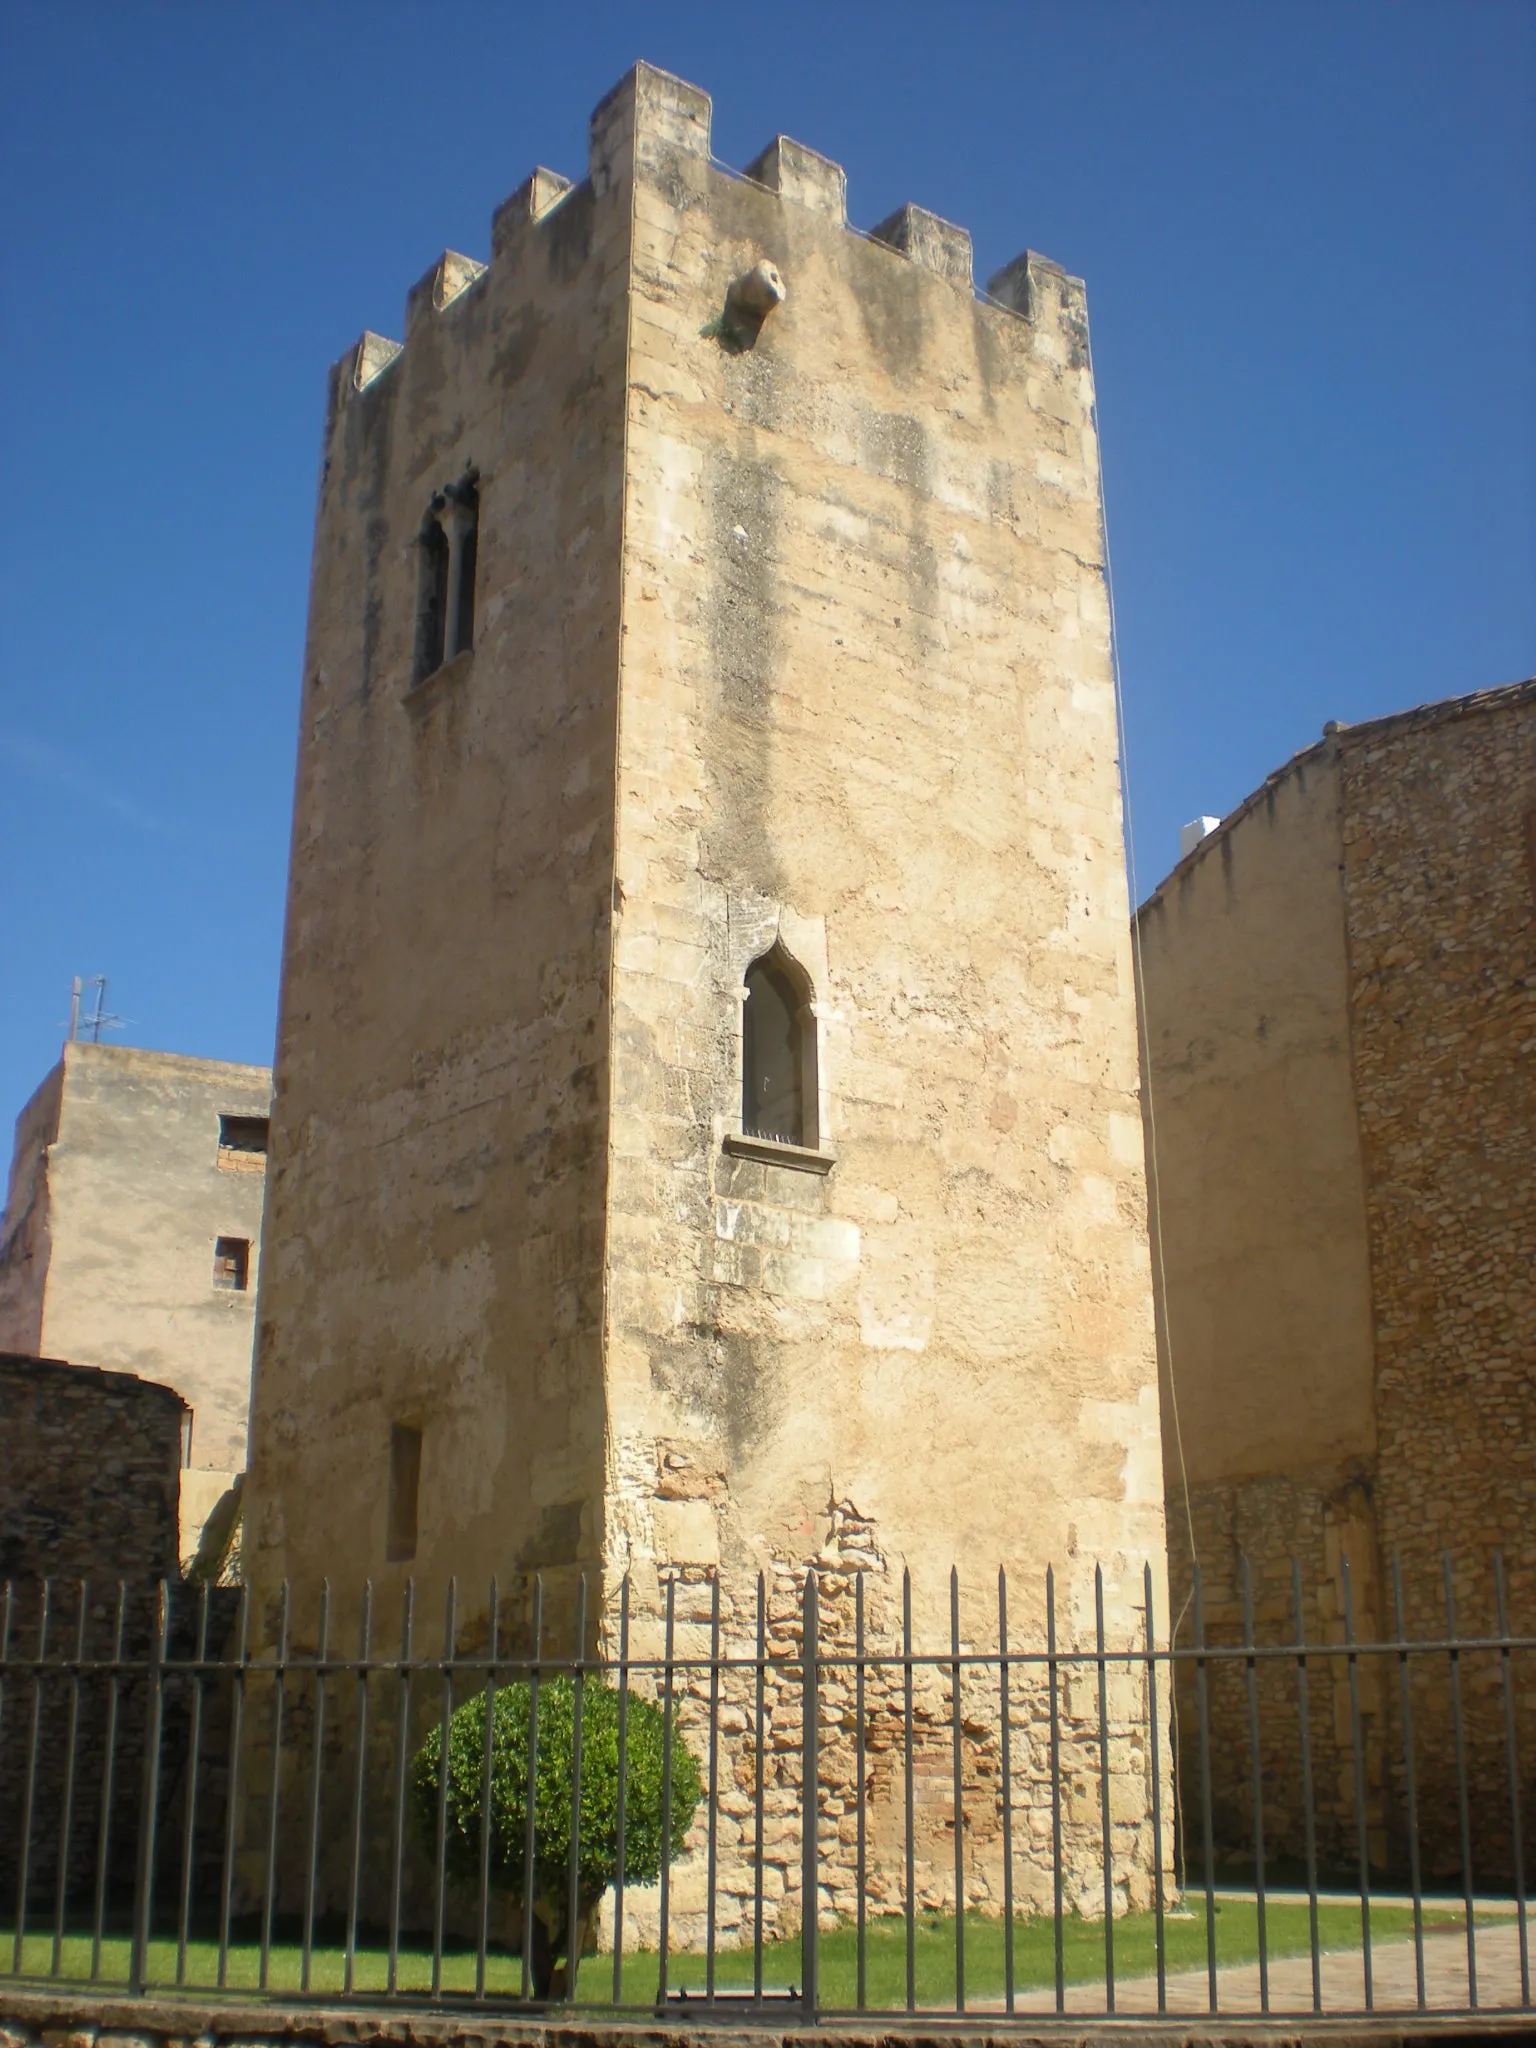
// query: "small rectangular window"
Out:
[232,1263]
[404,1485]
[243,1143]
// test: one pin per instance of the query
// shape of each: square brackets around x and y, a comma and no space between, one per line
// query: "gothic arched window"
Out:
[778,1068]
[445,605]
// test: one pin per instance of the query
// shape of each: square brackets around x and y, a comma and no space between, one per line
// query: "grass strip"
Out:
[1237,1942]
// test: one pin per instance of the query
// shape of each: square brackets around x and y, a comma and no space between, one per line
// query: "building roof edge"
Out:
[1338,735]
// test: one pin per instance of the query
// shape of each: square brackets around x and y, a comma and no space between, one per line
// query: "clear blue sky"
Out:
[1307,235]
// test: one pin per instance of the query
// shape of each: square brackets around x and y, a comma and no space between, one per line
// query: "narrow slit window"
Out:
[232,1263]
[778,1099]
[449,543]
[404,1489]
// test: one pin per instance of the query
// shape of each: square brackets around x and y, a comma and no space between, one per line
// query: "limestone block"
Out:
[687,1531]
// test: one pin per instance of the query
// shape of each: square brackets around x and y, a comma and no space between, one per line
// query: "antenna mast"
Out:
[100,1018]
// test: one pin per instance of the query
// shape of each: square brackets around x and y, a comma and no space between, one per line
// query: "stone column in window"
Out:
[459,520]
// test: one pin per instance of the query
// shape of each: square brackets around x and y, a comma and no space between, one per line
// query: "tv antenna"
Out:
[93,1022]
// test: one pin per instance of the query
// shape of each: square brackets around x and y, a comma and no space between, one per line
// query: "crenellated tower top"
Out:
[650,117]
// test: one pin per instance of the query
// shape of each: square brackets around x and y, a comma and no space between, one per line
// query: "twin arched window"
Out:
[445,605]
[778,1031]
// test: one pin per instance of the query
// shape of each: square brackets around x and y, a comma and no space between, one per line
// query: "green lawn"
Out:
[1034,1957]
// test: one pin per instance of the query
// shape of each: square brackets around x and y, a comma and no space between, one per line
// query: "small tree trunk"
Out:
[565,1973]
[541,1964]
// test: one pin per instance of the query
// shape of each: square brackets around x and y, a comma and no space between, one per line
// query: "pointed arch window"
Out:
[778,1068]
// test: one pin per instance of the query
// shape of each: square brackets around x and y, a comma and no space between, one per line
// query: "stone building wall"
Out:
[1442,951]
[90,1466]
[120,1190]
[868,711]
[1391,1422]
[789,628]
[25,1226]
[435,1217]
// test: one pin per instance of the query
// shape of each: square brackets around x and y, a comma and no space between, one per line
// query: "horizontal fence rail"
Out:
[796,1794]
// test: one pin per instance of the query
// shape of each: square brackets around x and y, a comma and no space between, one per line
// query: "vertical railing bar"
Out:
[6,1600]
[1512,1771]
[1159,1904]
[958,1791]
[1256,1775]
[1410,1779]
[487,1747]
[1005,1701]
[1102,1674]
[712,1855]
[402,1747]
[279,1682]
[760,1678]
[666,1798]
[189,1831]
[317,1762]
[573,1870]
[445,1732]
[1463,1812]
[910,1789]
[144,1898]
[530,1811]
[1058,1868]
[359,1789]
[24,1838]
[1207,1841]
[232,1792]
[1357,1755]
[860,1769]
[810,1797]
[67,1815]
[1308,1808]
[623,1767]
[108,1774]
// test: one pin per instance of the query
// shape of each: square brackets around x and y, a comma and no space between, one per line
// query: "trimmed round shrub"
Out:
[597,1846]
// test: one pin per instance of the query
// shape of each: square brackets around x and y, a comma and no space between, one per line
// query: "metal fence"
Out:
[1074,1816]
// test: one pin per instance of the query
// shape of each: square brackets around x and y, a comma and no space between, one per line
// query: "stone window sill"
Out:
[441,677]
[774,1152]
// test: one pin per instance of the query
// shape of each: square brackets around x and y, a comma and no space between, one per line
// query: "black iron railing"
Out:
[1074,1815]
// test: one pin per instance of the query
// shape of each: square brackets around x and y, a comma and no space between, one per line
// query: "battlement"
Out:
[647,123]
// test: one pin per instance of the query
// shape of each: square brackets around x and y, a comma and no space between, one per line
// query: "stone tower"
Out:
[706,1135]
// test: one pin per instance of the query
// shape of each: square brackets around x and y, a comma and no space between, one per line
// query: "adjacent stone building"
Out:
[706,1138]
[1340,1036]
[132,1233]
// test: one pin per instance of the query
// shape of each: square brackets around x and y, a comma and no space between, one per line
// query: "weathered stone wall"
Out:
[1442,953]
[867,709]
[793,629]
[1264,1269]
[119,1191]
[24,1229]
[435,1215]
[1248,1535]
[870,711]
[89,1468]
[89,1471]
[1340,1006]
